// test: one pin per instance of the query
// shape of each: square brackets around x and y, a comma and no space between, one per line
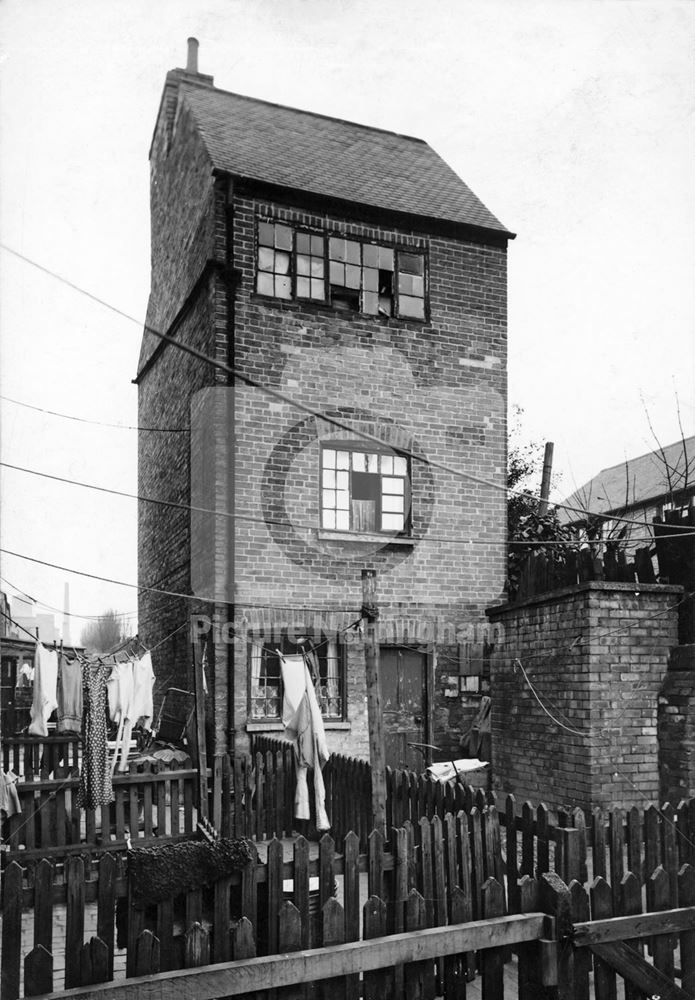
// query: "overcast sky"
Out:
[573,121]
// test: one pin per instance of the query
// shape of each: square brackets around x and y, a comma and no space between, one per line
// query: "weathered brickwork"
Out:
[437,388]
[596,656]
[676,727]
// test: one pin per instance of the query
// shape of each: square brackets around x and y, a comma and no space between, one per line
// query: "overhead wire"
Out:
[297,404]
[98,423]
[256,519]
[69,614]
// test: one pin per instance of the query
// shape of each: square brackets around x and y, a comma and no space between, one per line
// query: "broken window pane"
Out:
[266,259]
[282,263]
[283,237]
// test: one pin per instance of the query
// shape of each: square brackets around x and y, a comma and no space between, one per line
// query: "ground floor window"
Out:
[325,660]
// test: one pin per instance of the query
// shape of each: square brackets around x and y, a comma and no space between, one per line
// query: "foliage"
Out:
[104,633]
[525,522]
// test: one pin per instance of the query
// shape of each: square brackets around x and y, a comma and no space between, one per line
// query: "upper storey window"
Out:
[348,274]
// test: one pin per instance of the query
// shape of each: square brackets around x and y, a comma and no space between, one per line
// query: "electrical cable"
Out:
[98,423]
[291,401]
[576,543]
[70,614]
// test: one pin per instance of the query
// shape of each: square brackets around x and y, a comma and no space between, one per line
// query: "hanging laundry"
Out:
[9,799]
[306,729]
[95,781]
[45,689]
[293,684]
[130,703]
[69,695]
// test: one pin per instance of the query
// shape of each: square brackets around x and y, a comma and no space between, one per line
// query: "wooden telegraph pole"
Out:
[545,479]
[370,613]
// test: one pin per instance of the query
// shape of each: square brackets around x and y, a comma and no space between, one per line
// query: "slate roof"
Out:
[643,480]
[327,156]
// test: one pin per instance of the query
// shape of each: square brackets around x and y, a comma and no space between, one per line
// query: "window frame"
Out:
[290,648]
[354,447]
[331,300]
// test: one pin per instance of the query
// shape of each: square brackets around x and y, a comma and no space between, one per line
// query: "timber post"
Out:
[370,613]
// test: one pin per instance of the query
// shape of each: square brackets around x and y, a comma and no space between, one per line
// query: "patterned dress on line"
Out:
[95,781]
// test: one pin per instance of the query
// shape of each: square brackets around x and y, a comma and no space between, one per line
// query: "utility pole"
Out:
[370,613]
[545,481]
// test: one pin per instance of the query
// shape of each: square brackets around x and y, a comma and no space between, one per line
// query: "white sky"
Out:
[573,121]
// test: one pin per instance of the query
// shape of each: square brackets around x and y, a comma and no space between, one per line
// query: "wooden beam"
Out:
[637,971]
[234,979]
[370,613]
[201,748]
[641,925]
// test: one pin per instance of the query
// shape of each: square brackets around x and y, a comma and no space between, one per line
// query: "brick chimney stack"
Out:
[192,61]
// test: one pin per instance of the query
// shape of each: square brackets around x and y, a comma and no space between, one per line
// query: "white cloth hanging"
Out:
[306,729]
[45,699]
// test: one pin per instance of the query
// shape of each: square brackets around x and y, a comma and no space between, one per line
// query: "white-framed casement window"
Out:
[348,274]
[325,659]
[364,491]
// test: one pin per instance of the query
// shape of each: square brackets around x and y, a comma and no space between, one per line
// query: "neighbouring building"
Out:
[348,270]
[659,484]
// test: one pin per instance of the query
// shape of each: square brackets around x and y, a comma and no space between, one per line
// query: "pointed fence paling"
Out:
[437,872]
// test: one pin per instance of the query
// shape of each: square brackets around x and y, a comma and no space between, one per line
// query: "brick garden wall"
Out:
[597,656]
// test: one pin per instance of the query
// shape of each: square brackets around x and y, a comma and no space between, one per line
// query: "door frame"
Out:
[428,651]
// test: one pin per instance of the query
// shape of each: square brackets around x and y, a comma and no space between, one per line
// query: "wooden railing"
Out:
[152,802]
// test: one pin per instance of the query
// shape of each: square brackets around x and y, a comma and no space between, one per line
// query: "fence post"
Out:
[557,955]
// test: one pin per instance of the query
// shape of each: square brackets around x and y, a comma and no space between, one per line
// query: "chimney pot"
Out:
[192,62]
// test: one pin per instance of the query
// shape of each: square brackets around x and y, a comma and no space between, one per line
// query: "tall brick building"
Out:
[350,270]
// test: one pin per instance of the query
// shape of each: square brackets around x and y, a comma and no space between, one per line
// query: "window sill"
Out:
[360,537]
[271,726]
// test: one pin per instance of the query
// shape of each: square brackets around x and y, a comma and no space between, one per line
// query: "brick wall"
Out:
[437,388]
[676,727]
[596,655]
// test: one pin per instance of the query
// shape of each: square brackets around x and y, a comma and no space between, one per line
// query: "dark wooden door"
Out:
[404,705]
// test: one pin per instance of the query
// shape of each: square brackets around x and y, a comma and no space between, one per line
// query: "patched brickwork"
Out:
[437,388]
[596,656]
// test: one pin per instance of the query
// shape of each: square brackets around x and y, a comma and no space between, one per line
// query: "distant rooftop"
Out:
[325,156]
[637,481]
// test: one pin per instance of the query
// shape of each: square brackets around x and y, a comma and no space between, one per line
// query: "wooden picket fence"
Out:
[152,802]
[434,909]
